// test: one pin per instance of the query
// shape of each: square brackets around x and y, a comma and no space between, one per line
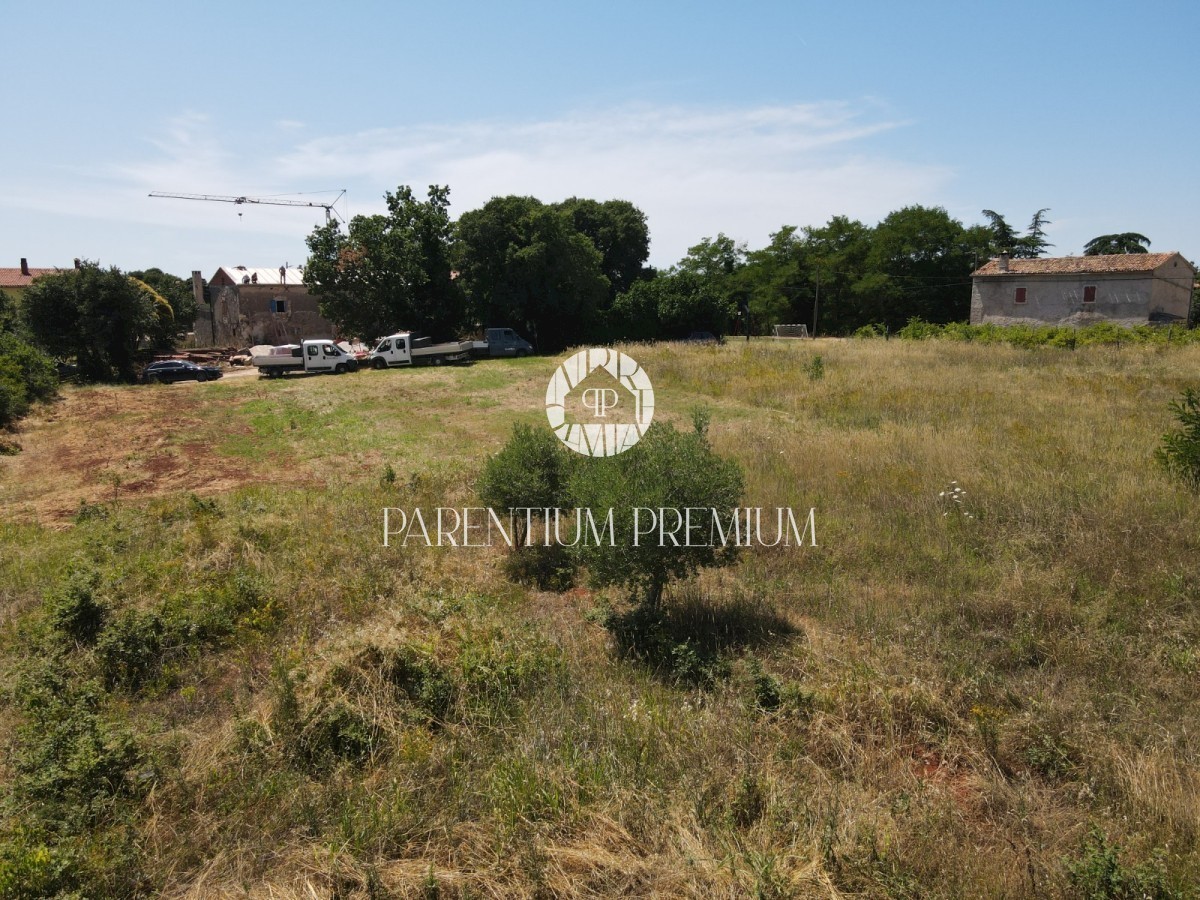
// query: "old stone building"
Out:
[247,306]
[1129,289]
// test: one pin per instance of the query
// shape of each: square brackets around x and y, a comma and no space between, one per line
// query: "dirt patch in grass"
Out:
[117,443]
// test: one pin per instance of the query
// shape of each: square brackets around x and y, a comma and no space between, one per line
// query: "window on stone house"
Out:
[1019,297]
[1089,294]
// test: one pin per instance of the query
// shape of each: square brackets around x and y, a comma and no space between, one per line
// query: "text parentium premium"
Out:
[637,526]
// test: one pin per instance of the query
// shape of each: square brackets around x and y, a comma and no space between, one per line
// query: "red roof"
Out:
[15,278]
[1082,265]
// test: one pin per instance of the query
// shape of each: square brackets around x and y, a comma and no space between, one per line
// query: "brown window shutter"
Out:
[1089,294]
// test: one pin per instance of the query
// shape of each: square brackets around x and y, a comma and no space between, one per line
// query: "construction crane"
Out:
[265,201]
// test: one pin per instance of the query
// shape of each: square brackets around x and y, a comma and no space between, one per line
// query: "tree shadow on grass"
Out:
[690,638]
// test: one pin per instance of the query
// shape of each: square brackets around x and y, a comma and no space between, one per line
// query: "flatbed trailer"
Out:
[404,349]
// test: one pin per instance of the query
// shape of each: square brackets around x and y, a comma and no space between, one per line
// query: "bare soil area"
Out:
[101,443]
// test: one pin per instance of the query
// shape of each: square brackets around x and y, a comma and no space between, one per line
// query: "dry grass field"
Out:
[218,682]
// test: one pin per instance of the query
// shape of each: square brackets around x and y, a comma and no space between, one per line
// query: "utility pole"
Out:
[816,301]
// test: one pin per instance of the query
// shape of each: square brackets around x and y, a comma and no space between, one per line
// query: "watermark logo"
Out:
[630,397]
[599,400]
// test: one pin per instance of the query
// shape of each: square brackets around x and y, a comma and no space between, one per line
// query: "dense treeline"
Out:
[105,320]
[576,272]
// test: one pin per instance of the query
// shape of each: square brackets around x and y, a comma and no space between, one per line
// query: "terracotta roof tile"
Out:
[14,278]
[1084,265]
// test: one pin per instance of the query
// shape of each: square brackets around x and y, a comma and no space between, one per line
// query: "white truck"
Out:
[404,349]
[308,356]
[501,342]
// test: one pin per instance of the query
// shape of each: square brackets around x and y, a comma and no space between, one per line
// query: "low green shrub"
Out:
[77,775]
[1030,336]
[70,763]
[1097,873]
[130,650]
[529,472]
[26,376]
[331,731]
[74,610]
[867,332]
[1179,453]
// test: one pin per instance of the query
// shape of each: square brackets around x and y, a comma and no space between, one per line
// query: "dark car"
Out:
[178,370]
[702,337]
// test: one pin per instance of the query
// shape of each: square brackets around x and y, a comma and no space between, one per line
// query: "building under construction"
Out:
[243,306]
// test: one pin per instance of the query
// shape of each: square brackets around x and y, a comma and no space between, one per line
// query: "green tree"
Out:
[178,293]
[389,271]
[619,231]
[919,265]
[10,314]
[692,304]
[1114,244]
[714,258]
[1033,244]
[98,316]
[719,262]
[670,305]
[524,265]
[1004,238]
[666,469]
[979,243]
[634,314]
[778,281]
[838,253]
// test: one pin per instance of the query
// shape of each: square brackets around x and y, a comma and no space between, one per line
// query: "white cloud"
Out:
[694,172]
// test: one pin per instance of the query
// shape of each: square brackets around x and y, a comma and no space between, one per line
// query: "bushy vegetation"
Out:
[1062,336]
[666,469]
[1179,452]
[26,376]
[1098,873]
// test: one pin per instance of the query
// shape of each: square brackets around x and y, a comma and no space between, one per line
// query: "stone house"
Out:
[1129,289]
[245,306]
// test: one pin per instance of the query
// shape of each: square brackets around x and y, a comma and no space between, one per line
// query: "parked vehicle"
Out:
[170,370]
[501,342]
[309,356]
[403,349]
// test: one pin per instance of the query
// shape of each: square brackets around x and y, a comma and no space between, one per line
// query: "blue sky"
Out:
[711,117]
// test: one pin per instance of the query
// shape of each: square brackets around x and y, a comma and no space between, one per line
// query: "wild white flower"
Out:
[632,714]
[955,495]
